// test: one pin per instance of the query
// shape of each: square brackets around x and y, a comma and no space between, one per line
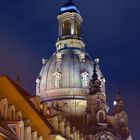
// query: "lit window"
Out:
[56,79]
[85,79]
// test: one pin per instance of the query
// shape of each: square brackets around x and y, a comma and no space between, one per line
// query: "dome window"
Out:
[85,79]
[56,79]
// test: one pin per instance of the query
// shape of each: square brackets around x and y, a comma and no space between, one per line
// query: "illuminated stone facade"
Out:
[70,101]
[73,86]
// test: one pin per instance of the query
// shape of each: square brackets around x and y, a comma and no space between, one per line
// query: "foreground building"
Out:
[70,101]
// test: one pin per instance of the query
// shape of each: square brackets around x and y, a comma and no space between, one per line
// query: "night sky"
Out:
[111,31]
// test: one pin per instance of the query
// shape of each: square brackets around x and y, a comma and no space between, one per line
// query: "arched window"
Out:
[85,79]
[56,79]
[101,116]
[11,113]
[67,27]
[18,115]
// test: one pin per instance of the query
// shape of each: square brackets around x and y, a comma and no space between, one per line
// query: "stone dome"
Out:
[62,75]
[63,82]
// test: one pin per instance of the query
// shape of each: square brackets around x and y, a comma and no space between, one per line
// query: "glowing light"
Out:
[56,79]
[72,7]
[72,31]
[58,137]
[84,77]
[114,103]
[96,60]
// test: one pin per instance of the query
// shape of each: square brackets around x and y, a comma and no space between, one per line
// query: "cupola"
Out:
[70,22]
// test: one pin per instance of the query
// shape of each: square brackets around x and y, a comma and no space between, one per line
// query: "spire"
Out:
[119,102]
[94,76]
[118,95]
[94,85]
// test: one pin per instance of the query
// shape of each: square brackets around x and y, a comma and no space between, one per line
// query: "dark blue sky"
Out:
[111,30]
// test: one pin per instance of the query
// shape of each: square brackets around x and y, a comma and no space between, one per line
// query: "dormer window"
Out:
[85,79]
[56,79]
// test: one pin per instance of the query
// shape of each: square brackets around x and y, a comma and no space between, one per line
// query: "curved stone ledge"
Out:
[65,92]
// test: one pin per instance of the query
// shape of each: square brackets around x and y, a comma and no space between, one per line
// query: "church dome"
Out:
[64,78]
[66,75]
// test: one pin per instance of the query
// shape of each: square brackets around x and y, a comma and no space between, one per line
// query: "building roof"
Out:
[20,98]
